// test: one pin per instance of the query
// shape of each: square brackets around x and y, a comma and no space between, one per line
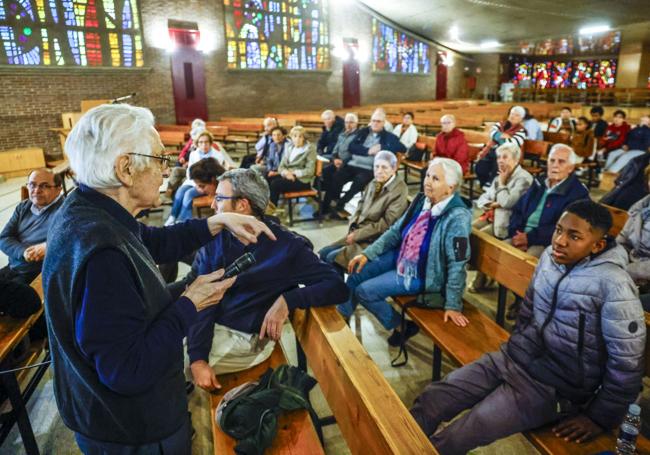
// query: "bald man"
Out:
[23,238]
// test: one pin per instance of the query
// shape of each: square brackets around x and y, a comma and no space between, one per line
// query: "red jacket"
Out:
[615,136]
[453,145]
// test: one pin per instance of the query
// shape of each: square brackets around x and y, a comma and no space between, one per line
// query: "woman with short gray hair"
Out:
[382,203]
[116,335]
[499,198]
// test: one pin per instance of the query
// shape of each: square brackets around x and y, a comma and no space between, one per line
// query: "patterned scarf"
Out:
[378,188]
[415,246]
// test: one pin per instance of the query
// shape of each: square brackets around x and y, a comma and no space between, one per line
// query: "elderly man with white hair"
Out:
[423,253]
[367,143]
[534,216]
[510,131]
[116,335]
[333,125]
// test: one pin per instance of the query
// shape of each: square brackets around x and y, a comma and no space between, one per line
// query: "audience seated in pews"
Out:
[615,134]
[565,123]
[423,253]
[179,172]
[23,238]
[631,184]
[333,125]
[262,145]
[240,332]
[582,140]
[637,143]
[383,202]
[451,143]
[340,158]
[406,131]
[268,164]
[635,238]
[499,199]
[297,167]
[535,215]
[575,356]
[597,123]
[366,144]
[533,129]
[182,205]
[509,131]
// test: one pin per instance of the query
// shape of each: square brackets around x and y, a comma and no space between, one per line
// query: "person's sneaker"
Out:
[395,339]
[170,221]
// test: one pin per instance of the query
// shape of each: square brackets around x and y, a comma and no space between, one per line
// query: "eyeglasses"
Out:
[220,198]
[164,161]
[40,186]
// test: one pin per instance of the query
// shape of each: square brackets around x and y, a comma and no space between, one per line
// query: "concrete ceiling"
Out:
[506,21]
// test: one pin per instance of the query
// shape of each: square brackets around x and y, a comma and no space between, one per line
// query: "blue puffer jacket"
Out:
[565,193]
[449,251]
[582,331]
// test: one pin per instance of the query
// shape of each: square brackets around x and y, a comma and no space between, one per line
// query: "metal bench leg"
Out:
[290,203]
[501,305]
[10,384]
[437,364]
[590,180]
[471,189]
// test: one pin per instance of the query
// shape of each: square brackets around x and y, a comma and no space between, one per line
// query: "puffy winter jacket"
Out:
[582,331]
[562,195]
[635,238]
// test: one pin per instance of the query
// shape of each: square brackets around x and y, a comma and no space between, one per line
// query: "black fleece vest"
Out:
[85,404]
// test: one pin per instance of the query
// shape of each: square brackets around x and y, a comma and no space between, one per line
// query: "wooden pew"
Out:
[296,433]
[172,139]
[370,415]
[619,218]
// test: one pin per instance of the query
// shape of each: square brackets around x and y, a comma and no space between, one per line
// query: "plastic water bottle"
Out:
[629,430]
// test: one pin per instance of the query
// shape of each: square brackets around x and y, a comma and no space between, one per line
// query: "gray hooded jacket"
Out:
[582,331]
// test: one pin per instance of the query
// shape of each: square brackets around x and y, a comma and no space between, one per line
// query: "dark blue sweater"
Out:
[128,354]
[281,266]
[639,138]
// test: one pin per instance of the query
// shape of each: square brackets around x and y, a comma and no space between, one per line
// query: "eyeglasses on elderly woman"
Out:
[164,161]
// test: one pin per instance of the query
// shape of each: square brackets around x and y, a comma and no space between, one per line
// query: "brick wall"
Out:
[32,99]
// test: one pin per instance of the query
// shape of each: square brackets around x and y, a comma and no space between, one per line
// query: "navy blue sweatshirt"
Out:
[128,354]
[281,266]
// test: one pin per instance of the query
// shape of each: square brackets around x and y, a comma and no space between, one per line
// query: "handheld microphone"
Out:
[241,264]
[123,98]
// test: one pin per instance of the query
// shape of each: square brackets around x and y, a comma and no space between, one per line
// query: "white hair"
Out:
[451,168]
[198,123]
[101,135]
[379,113]
[328,114]
[352,117]
[573,158]
[512,149]
[387,156]
[518,110]
[449,117]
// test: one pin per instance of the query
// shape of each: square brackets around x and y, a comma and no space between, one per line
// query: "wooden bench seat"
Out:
[202,203]
[296,432]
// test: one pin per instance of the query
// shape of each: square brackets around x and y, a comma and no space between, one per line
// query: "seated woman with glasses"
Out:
[182,206]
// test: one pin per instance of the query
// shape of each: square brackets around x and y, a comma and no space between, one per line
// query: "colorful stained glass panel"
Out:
[396,52]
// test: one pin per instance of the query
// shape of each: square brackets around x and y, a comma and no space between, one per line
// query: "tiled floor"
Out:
[55,439]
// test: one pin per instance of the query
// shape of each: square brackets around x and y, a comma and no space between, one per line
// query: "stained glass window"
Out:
[601,44]
[397,52]
[580,74]
[281,34]
[70,32]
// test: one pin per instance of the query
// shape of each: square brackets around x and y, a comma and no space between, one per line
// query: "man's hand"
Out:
[456,317]
[207,290]
[204,376]
[272,173]
[245,227]
[520,241]
[349,239]
[35,253]
[275,319]
[357,263]
[338,162]
[578,428]
[289,176]
[374,149]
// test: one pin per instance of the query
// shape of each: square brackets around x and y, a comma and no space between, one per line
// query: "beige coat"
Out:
[303,165]
[373,218]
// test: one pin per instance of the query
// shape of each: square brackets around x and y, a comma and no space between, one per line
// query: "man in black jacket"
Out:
[332,127]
